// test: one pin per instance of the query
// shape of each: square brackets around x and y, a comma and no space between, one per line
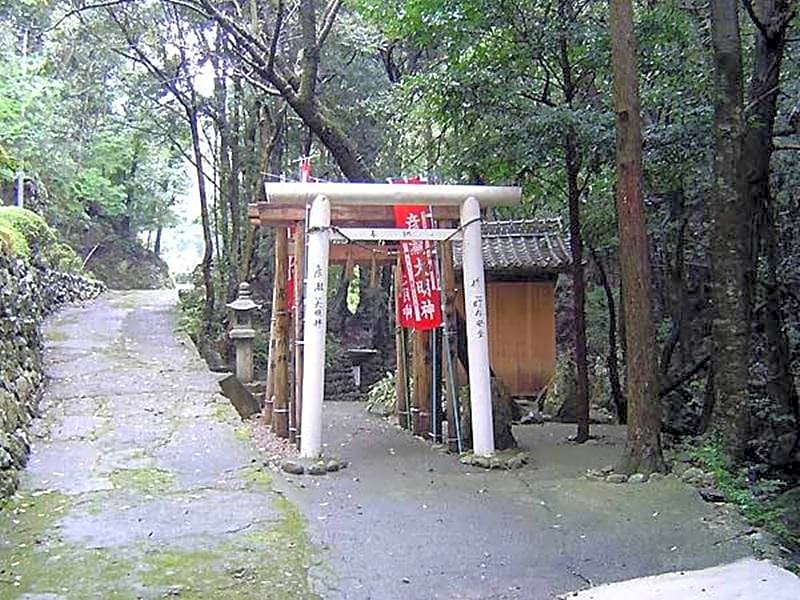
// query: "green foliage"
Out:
[382,395]
[82,128]
[63,258]
[24,231]
[754,499]
[190,309]
[25,234]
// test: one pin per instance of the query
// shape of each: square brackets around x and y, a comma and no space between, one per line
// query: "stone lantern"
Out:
[242,332]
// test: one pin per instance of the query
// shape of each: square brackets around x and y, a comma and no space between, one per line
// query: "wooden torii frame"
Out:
[355,204]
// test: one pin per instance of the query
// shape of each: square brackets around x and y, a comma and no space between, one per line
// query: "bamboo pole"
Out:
[401,376]
[269,388]
[374,274]
[280,410]
[422,383]
[299,279]
[449,348]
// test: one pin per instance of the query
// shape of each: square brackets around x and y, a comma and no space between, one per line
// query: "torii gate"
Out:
[319,233]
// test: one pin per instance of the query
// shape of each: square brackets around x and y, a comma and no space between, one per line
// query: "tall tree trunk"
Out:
[208,248]
[677,295]
[730,238]
[643,448]
[612,362]
[157,243]
[772,18]
[578,293]
[233,182]
[572,168]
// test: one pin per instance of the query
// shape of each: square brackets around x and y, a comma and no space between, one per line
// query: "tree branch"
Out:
[84,8]
[328,18]
[748,6]
[679,381]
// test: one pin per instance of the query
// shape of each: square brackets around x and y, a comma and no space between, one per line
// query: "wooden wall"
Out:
[522,333]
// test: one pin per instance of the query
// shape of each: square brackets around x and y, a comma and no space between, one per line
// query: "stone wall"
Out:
[28,293]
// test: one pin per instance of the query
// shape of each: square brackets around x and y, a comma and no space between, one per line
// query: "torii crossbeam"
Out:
[322,196]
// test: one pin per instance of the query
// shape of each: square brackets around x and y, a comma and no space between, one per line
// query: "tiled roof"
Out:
[529,247]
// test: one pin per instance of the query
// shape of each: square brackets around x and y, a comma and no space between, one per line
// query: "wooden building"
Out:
[522,260]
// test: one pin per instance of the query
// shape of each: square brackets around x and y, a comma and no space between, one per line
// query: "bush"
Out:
[26,235]
[382,395]
[29,233]
[62,257]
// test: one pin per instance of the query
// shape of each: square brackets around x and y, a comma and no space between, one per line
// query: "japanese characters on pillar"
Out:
[317,296]
[419,300]
[478,308]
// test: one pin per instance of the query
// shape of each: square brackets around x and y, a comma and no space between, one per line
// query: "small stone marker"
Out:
[243,401]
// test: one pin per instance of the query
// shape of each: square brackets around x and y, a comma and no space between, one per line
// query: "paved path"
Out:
[405,521]
[142,482]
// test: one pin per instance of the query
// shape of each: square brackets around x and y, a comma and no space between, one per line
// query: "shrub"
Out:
[26,235]
[31,233]
[382,395]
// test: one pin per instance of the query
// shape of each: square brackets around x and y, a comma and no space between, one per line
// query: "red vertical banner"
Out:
[419,297]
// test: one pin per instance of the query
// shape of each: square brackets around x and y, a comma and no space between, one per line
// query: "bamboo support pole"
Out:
[280,409]
[299,279]
[401,376]
[422,383]
[449,342]
[269,388]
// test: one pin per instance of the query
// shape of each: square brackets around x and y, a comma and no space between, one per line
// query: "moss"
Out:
[56,335]
[222,411]
[268,562]
[144,481]
[33,558]
[263,561]
[242,433]
[257,475]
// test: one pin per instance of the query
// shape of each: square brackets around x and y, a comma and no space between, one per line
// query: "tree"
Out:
[260,50]
[643,449]
[771,19]
[731,238]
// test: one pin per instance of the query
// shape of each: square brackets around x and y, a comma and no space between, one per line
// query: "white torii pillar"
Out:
[315,326]
[480,384]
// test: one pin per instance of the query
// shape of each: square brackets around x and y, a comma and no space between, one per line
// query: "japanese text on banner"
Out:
[419,302]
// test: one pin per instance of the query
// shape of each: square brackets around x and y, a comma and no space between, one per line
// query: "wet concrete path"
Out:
[142,482]
[406,521]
